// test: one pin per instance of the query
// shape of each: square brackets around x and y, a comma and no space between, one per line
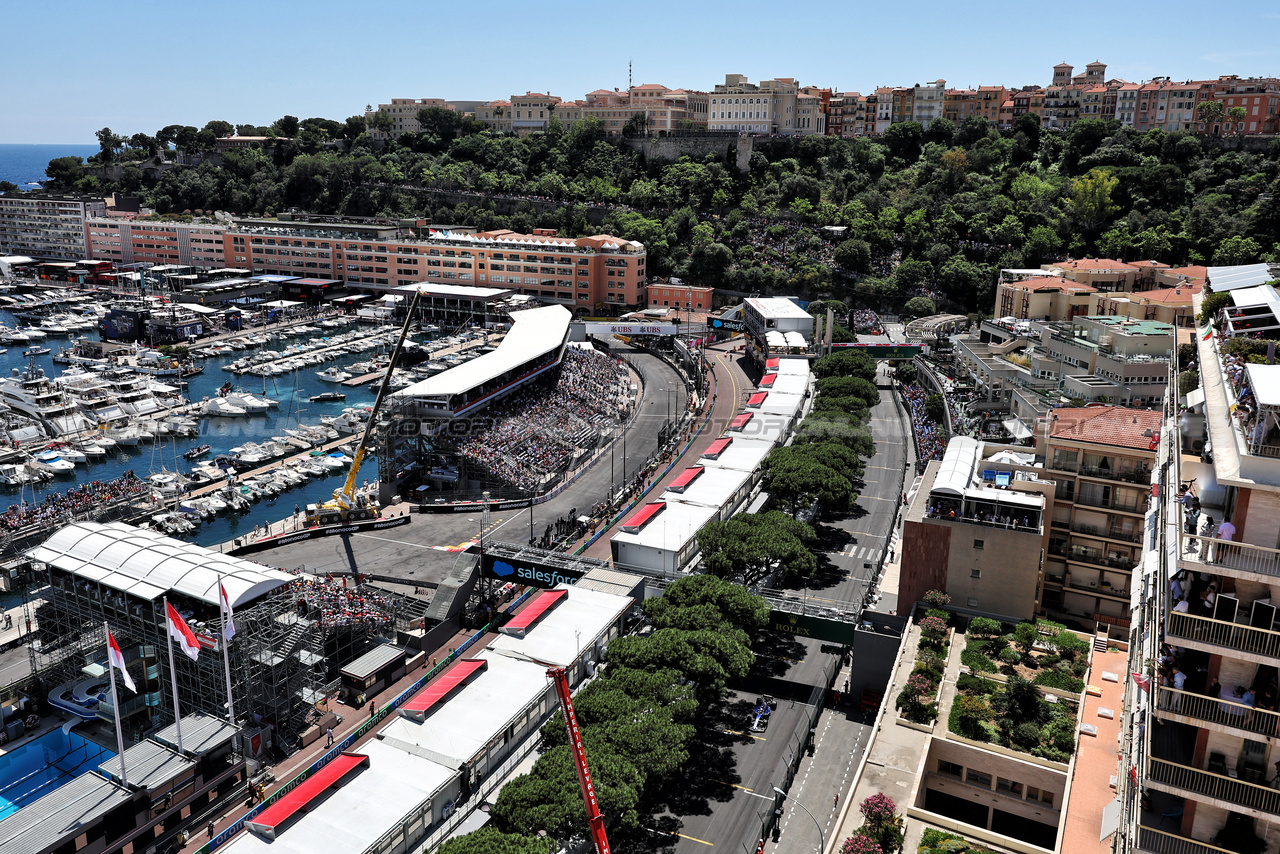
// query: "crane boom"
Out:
[595,820]
[346,496]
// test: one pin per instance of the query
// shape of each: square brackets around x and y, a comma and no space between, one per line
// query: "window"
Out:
[951,769]
[975,573]
[1010,787]
[977,778]
[978,544]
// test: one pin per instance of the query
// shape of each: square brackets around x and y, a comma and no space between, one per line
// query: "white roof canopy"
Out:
[1238,276]
[956,469]
[1265,382]
[147,564]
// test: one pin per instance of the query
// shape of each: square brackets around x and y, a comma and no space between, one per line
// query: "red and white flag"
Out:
[228,626]
[117,661]
[181,632]
[1141,680]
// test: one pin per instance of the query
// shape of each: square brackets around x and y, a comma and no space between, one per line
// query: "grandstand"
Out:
[451,743]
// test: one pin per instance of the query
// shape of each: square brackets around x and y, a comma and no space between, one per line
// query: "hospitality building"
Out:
[191,244]
[1111,359]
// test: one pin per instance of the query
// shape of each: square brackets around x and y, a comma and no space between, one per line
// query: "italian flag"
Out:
[117,661]
[1207,333]
[181,632]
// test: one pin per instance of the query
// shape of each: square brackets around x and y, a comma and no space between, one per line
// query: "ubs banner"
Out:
[631,329]
[529,573]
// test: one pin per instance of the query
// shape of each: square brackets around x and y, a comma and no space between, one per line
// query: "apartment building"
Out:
[495,114]
[191,244]
[847,115]
[1171,305]
[404,114]
[778,106]
[976,528]
[882,116]
[927,102]
[47,226]
[1108,359]
[1101,459]
[1064,98]
[531,112]
[1029,99]
[1035,295]
[664,110]
[1258,97]
[593,274]
[680,295]
[1202,741]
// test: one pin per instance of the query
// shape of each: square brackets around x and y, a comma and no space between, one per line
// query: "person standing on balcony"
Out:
[1182,605]
[1179,683]
[1227,532]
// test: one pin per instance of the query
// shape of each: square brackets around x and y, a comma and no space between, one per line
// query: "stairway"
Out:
[1100,641]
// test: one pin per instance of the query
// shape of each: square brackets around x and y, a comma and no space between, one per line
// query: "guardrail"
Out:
[1159,842]
[1232,555]
[376,718]
[1226,712]
[1218,786]
[1233,636]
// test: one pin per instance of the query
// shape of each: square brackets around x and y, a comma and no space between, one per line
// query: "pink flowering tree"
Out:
[882,825]
[860,844]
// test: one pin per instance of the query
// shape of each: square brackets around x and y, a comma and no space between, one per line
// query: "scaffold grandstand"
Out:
[293,632]
[512,421]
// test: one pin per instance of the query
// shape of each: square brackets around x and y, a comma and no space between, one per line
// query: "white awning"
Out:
[1265,382]
[1016,428]
[956,470]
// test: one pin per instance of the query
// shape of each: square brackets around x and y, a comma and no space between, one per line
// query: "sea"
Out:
[24,165]
[293,391]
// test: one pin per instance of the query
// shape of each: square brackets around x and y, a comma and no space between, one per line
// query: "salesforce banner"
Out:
[529,573]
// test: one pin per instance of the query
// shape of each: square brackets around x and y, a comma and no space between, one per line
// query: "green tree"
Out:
[287,126]
[1091,203]
[903,140]
[219,128]
[846,362]
[750,546]
[490,840]
[108,143]
[440,121]
[935,407]
[847,386]
[64,172]
[919,307]
[1237,250]
[793,476]
[706,602]
[854,255]
[1209,114]
[708,658]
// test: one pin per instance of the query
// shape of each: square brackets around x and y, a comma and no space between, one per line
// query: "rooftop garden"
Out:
[918,700]
[935,841]
[1010,709]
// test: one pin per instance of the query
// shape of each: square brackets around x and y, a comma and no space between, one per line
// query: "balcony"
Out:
[1112,503]
[1140,476]
[1113,533]
[1194,709]
[1156,841]
[1236,559]
[1223,638]
[1092,557]
[1220,787]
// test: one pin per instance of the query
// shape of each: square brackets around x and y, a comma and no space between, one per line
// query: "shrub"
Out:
[1025,636]
[1070,645]
[878,809]
[1052,754]
[861,844]
[1058,679]
[977,662]
[969,716]
[1010,656]
[945,616]
[1025,735]
[1060,734]
[969,684]
[933,630]
[937,599]
[985,626]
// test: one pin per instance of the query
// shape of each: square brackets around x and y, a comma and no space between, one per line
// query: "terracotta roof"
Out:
[1118,426]
[1156,265]
[1093,264]
[1194,273]
[1044,283]
[1170,296]
[650,86]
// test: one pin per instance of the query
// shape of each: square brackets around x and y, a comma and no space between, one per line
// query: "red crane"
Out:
[594,818]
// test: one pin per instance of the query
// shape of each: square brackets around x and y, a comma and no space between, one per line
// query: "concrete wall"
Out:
[1008,563]
[926,554]
[996,766]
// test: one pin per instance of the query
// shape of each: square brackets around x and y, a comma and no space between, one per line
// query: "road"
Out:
[850,554]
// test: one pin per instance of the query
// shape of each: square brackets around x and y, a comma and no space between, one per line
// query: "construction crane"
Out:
[346,505]
[595,820]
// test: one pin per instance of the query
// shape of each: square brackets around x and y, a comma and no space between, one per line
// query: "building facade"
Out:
[145,242]
[778,106]
[47,226]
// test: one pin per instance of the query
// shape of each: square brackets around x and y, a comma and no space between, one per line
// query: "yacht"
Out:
[250,402]
[333,375]
[55,463]
[221,407]
[33,394]
[132,392]
[94,395]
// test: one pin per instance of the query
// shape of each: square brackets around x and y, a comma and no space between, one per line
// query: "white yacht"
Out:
[31,393]
[250,402]
[333,375]
[223,408]
[132,392]
[94,395]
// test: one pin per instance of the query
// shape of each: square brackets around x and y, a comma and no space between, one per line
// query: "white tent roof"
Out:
[569,629]
[281,303]
[534,331]
[795,339]
[956,470]
[1265,382]
[1238,276]
[147,564]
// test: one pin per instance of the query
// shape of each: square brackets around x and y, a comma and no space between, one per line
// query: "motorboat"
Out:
[55,463]
[196,452]
[72,454]
[36,351]
[327,396]
[333,375]
[222,408]
[92,449]
[249,402]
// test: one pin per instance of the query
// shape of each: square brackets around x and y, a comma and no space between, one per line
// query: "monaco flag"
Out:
[228,627]
[117,661]
[179,631]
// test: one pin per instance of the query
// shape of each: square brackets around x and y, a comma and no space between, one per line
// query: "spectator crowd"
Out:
[60,507]
[336,604]
[931,438]
[536,432]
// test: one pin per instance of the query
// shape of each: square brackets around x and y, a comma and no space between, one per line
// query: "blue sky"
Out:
[72,67]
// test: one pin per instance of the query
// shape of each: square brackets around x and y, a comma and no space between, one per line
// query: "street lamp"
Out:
[822,839]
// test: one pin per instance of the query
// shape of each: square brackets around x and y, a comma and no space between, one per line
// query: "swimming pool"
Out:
[33,770]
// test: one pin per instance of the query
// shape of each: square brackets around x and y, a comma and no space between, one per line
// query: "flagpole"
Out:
[115,706]
[226,663]
[173,674]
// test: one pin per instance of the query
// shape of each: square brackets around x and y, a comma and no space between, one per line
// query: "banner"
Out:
[529,573]
[630,328]
[885,351]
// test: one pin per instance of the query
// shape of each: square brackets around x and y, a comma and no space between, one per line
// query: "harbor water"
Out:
[292,390]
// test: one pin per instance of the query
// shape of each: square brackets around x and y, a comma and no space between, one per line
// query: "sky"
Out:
[70,67]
